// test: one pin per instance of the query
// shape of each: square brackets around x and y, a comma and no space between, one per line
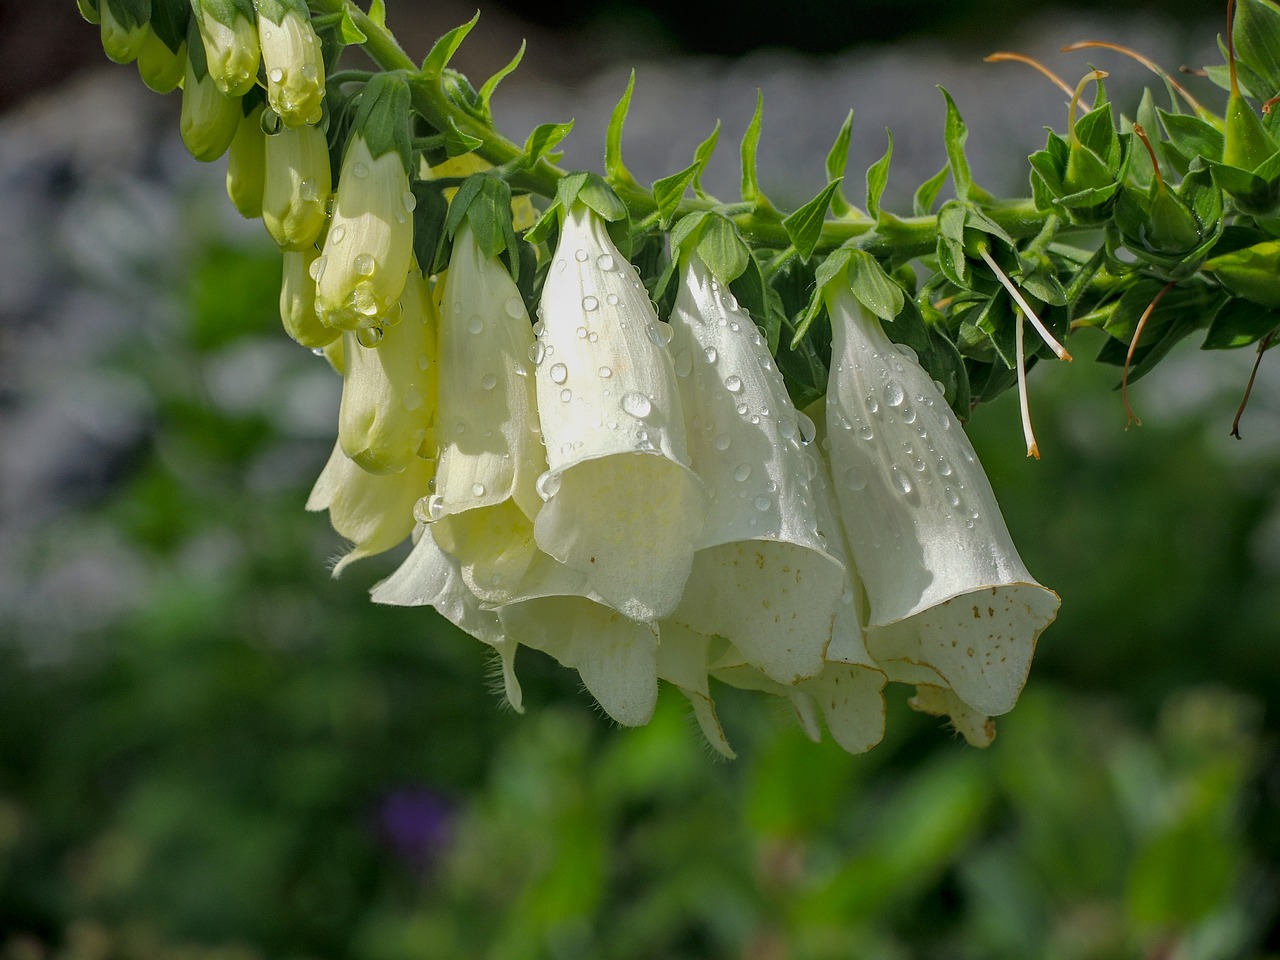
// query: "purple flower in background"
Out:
[416,823]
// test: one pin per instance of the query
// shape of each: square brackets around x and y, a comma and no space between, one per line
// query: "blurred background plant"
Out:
[208,749]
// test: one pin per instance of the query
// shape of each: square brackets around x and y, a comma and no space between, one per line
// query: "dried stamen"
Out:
[1004,55]
[1244,402]
[1018,298]
[1145,61]
[1133,346]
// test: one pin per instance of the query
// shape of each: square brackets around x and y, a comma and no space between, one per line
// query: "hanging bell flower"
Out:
[297,186]
[209,119]
[124,28]
[366,252]
[491,454]
[229,33]
[246,164]
[298,301]
[946,589]
[622,505]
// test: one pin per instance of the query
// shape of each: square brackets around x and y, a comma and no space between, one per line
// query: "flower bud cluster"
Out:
[640,499]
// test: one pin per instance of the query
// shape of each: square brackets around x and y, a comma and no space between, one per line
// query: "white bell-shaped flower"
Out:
[622,506]
[490,447]
[296,187]
[389,387]
[761,578]
[431,577]
[292,58]
[373,511]
[554,610]
[945,585]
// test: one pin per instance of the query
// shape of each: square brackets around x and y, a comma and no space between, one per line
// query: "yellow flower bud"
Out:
[298,183]
[389,388]
[161,68]
[121,39]
[231,50]
[245,165]
[209,120]
[298,300]
[295,68]
[366,252]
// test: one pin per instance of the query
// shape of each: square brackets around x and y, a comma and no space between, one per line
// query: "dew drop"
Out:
[730,301]
[741,472]
[309,190]
[474,323]
[611,299]
[412,399]
[582,333]
[477,489]
[723,441]
[684,363]
[866,433]
[561,264]
[559,373]
[893,394]
[953,498]
[908,352]
[317,268]
[909,415]
[742,409]
[488,381]
[369,336]
[604,261]
[605,373]
[537,350]
[547,485]
[807,429]
[581,256]
[276,75]
[409,201]
[763,503]
[637,404]
[944,467]
[902,480]
[710,354]
[733,384]
[590,303]
[566,395]
[873,405]
[359,171]
[786,428]
[854,480]
[592,337]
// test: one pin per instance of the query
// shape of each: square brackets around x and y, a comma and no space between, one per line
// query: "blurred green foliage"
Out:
[252,761]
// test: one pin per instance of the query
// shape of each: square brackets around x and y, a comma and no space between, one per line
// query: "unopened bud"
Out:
[161,69]
[298,184]
[229,31]
[292,58]
[209,119]
[298,300]
[124,28]
[246,167]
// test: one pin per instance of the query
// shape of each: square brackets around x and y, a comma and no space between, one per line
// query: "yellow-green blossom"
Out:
[292,59]
[298,301]
[246,170]
[124,28]
[367,249]
[161,69]
[297,186]
[209,120]
[229,31]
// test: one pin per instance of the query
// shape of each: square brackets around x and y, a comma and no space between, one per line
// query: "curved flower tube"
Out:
[208,120]
[431,577]
[374,512]
[761,578]
[623,506]
[230,35]
[490,450]
[246,165]
[296,189]
[389,388]
[366,252]
[298,300]
[946,587]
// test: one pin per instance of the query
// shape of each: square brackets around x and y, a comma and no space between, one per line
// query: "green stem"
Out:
[892,237]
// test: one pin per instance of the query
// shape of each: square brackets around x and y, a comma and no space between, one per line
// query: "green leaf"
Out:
[701,156]
[615,170]
[1252,273]
[348,32]
[456,143]
[543,138]
[490,85]
[955,134]
[378,12]
[831,270]
[750,146]
[928,191]
[444,49]
[591,189]
[1239,323]
[877,177]
[669,191]
[428,222]
[1257,41]
[722,248]
[837,161]
[804,227]
[685,228]
[873,287]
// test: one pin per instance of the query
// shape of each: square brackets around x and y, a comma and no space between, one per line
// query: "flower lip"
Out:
[622,506]
[946,587]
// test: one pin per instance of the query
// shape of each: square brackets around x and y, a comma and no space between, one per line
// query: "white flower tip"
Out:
[977,730]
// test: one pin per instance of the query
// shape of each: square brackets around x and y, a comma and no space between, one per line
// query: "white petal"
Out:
[624,507]
[978,730]
[489,436]
[946,587]
[494,548]
[682,661]
[374,512]
[761,577]
[430,577]
[613,655]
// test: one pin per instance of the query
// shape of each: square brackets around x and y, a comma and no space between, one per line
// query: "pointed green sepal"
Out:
[804,227]
[444,49]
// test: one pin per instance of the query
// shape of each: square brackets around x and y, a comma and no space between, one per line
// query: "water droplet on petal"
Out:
[561,264]
[477,489]
[637,404]
[581,256]
[566,395]
[590,303]
[359,171]
[412,398]
[604,261]
[309,190]
[474,323]
[893,394]
[605,373]
[807,428]
[733,384]
[537,350]
[369,336]
[902,480]
[786,428]
[944,467]
[763,503]
[611,299]
[866,433]
[854,480]
[710,354]
[488,381]
[953,498]
[514,308]
[317,268]
[547,484]
[559,373]
[582,333]
[723,441]
[909,415]
[684,363]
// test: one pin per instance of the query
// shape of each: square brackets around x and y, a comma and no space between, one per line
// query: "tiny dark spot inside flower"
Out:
[976,614]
